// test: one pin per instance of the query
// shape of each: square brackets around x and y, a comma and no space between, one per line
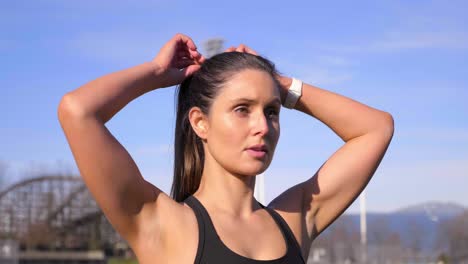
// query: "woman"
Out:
[226,132]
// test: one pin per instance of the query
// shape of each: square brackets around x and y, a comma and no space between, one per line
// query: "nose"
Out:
[261,124]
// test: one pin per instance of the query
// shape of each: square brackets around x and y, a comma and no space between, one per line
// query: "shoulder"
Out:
[163,231]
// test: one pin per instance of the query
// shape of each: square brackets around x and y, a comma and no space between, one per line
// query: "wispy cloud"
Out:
[116,46]
[400,40]
[318,69]
[334,60]
[432,134]
[326,77]
[413,26]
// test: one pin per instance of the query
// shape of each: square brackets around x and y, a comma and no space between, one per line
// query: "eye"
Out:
[273,113]
[242,109]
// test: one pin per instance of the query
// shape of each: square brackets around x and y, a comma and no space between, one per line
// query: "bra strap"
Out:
[289,234]
[201,227]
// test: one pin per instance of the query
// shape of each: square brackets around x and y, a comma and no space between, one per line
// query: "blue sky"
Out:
[407,58]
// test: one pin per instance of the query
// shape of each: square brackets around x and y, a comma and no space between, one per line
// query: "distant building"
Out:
[8,251]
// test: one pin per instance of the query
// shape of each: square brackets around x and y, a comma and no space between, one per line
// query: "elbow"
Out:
[64,108]
[386,125]
[68,108]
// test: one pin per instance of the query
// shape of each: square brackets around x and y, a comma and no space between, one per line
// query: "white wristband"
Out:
[294,92]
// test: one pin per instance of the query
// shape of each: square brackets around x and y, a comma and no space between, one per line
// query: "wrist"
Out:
[285,83]
[158,75]
[293,94]
[156,69]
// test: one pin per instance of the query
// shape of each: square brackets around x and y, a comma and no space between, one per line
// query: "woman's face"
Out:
[244,123]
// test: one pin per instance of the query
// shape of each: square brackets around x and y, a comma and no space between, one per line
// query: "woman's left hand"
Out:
[285,82]
[242,48]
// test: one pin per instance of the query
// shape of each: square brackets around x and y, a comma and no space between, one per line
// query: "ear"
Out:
[199,122]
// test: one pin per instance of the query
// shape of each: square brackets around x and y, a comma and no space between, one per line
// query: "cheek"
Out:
[227,138]
[274,130]
[278,129]
[230,131]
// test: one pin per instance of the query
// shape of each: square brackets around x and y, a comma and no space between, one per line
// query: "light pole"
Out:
[259,191]
[213,46]
[362,203]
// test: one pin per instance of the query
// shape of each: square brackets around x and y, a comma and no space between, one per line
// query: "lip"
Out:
[259,147]
[258,151]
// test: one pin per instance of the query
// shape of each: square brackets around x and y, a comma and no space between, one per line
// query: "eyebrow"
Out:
[276,100]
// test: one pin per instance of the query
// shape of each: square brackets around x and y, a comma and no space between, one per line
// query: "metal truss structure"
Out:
[54,212]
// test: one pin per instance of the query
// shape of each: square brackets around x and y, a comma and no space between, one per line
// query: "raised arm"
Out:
[314,204]
[105,166]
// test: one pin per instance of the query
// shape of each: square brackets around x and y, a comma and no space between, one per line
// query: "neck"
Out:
[226,192]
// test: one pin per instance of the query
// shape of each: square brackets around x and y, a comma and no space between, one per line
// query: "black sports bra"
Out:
[211,250]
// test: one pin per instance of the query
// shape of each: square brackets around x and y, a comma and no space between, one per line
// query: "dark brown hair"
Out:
[200,90]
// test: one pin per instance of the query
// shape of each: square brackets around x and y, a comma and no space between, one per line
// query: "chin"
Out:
[254,170]
[247,167]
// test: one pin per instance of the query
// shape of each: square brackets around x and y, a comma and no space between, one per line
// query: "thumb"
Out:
[190,70]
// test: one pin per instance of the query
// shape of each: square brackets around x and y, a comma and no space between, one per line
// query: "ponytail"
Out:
[188,149]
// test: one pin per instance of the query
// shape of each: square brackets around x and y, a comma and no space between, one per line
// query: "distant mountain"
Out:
[434,209]
[416,225]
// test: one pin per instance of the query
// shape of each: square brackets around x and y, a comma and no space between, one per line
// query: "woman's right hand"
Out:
[177,60]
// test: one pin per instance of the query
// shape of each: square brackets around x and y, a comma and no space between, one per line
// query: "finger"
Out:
[194,54]
[244,48]
[230,49]
[179,64]
[249,50]
[182,66]
[202,59]
[182,53]
[171,48]
[183,59]
[198,58]
[181,38]
[190,70]
[188,58]
[240,48]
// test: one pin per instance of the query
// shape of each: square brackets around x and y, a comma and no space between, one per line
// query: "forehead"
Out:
[250,83]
